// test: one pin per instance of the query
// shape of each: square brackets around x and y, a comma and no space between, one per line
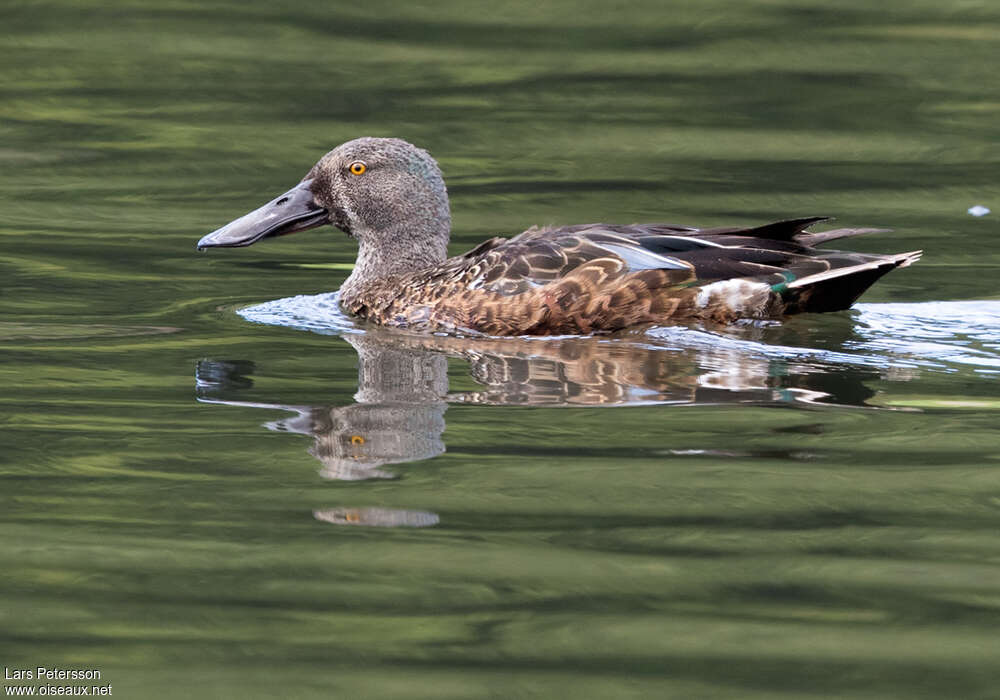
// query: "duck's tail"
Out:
[838,288]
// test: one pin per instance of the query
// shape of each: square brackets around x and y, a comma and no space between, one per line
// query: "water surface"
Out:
[215,485]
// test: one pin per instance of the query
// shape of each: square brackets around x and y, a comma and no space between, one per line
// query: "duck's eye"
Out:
[358,167]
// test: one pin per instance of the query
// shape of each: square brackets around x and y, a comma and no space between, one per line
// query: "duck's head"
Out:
[386,193]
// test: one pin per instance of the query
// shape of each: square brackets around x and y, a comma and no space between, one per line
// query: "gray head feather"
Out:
[397,208]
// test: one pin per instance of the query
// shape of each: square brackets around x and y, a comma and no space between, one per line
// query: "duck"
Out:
[390,196]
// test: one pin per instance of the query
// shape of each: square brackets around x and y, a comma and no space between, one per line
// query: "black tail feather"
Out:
[814,239]
[787,230]
[835,294]
[838,289]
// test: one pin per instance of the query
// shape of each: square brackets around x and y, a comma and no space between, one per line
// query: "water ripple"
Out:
[933,335]
[318,313]
[960,332]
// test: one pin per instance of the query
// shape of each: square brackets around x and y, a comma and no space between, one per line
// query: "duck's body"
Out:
[585,279]
[576,279]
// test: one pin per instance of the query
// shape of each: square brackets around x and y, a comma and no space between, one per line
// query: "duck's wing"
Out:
[539,256]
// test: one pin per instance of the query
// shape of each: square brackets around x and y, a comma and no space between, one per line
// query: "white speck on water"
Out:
[979,210]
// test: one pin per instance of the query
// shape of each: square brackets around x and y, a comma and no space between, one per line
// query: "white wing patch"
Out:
[642,259]
[740,296]
[698,242]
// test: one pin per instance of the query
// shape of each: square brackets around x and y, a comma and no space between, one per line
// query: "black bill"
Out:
[295,210]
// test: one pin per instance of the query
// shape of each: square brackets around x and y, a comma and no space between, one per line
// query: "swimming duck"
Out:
[390,196]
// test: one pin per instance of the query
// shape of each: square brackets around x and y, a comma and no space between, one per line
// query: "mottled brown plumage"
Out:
[569,280]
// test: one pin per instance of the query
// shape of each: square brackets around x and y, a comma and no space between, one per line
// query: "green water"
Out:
[204,504]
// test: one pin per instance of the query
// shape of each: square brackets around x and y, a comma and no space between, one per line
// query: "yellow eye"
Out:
[358,168]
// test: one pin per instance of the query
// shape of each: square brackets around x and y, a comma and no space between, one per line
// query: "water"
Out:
[216,485]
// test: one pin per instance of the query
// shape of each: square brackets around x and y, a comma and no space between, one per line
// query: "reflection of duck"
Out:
[601,372]
[391,197]
[403,388]
[398,417]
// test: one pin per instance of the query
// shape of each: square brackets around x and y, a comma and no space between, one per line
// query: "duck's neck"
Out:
[387,256]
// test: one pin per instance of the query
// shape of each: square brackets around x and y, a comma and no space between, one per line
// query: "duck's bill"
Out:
[295,210]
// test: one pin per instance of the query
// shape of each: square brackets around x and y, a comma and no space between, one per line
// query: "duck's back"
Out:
[602,278]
